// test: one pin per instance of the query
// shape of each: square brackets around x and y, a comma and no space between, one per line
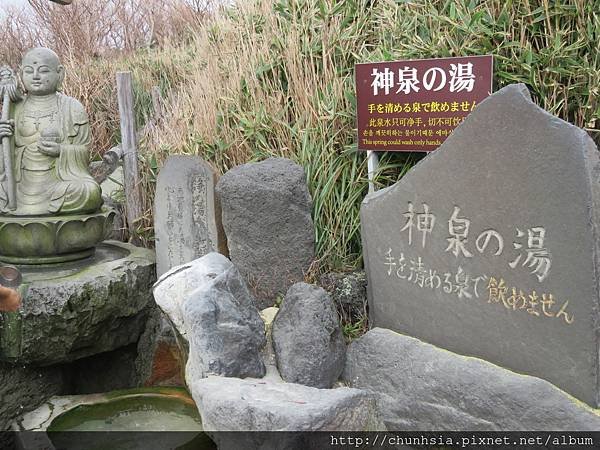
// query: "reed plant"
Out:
[277,79]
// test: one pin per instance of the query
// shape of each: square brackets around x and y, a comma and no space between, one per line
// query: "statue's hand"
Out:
[10,300]
[49,148]
[7,128]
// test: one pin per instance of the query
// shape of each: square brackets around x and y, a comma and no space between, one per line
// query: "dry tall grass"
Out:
[276,78]
[95,39]
[91,29]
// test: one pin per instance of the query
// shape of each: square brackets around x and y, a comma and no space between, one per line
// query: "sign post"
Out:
[372,166]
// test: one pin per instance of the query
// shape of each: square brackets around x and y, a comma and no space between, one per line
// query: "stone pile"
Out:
[216,314]
[476,261]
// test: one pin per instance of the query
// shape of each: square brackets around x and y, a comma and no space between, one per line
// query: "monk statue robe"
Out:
[51,146]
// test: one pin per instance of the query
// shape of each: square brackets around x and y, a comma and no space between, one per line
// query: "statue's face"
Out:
[41,72]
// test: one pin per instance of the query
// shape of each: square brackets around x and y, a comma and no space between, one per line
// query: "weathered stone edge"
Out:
[487,364]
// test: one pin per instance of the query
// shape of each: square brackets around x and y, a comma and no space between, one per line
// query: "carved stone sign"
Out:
[489,246]
[187,217]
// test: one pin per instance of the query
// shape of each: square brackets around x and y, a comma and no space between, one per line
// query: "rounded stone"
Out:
[307,338]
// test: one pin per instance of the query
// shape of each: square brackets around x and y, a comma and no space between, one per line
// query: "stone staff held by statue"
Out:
[8,92]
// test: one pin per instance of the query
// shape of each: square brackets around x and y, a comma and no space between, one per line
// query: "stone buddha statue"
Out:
[51,145]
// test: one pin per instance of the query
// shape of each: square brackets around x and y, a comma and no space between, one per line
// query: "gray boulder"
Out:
[231,404]
[78,310]
[174,287]
[210,305]
[307,338]
[23,389]
[266,211]
[422,387]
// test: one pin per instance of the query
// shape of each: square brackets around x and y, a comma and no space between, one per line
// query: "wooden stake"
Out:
[133,197]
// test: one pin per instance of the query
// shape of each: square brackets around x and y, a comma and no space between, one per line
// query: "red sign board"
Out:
[414,105]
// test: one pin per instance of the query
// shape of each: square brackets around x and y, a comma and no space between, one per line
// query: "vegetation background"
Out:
[256,78]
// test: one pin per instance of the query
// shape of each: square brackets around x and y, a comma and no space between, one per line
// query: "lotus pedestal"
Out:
[39,240]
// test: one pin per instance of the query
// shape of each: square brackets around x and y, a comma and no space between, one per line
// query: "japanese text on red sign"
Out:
[415,105]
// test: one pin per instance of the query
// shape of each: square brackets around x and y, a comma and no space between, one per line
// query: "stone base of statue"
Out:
[40,240]
[82,308]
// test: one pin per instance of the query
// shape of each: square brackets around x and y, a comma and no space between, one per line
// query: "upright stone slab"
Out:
[187,217]
[267,219]
[489,246]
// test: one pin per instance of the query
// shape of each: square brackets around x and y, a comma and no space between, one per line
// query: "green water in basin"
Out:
[155,418]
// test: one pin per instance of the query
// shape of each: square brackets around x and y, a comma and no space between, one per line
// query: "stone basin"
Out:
[26,240]
[132,416]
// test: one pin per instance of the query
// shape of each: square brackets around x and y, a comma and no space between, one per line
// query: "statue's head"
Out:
[41,71]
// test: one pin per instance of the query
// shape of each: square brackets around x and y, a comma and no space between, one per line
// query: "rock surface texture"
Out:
[231,404]
[22,389]
[212,308]
[174,287]
[267,219]
[348,291]
[422,387]
[187,216]
[160,357]
[79,311]
[489,246]
[307,338]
